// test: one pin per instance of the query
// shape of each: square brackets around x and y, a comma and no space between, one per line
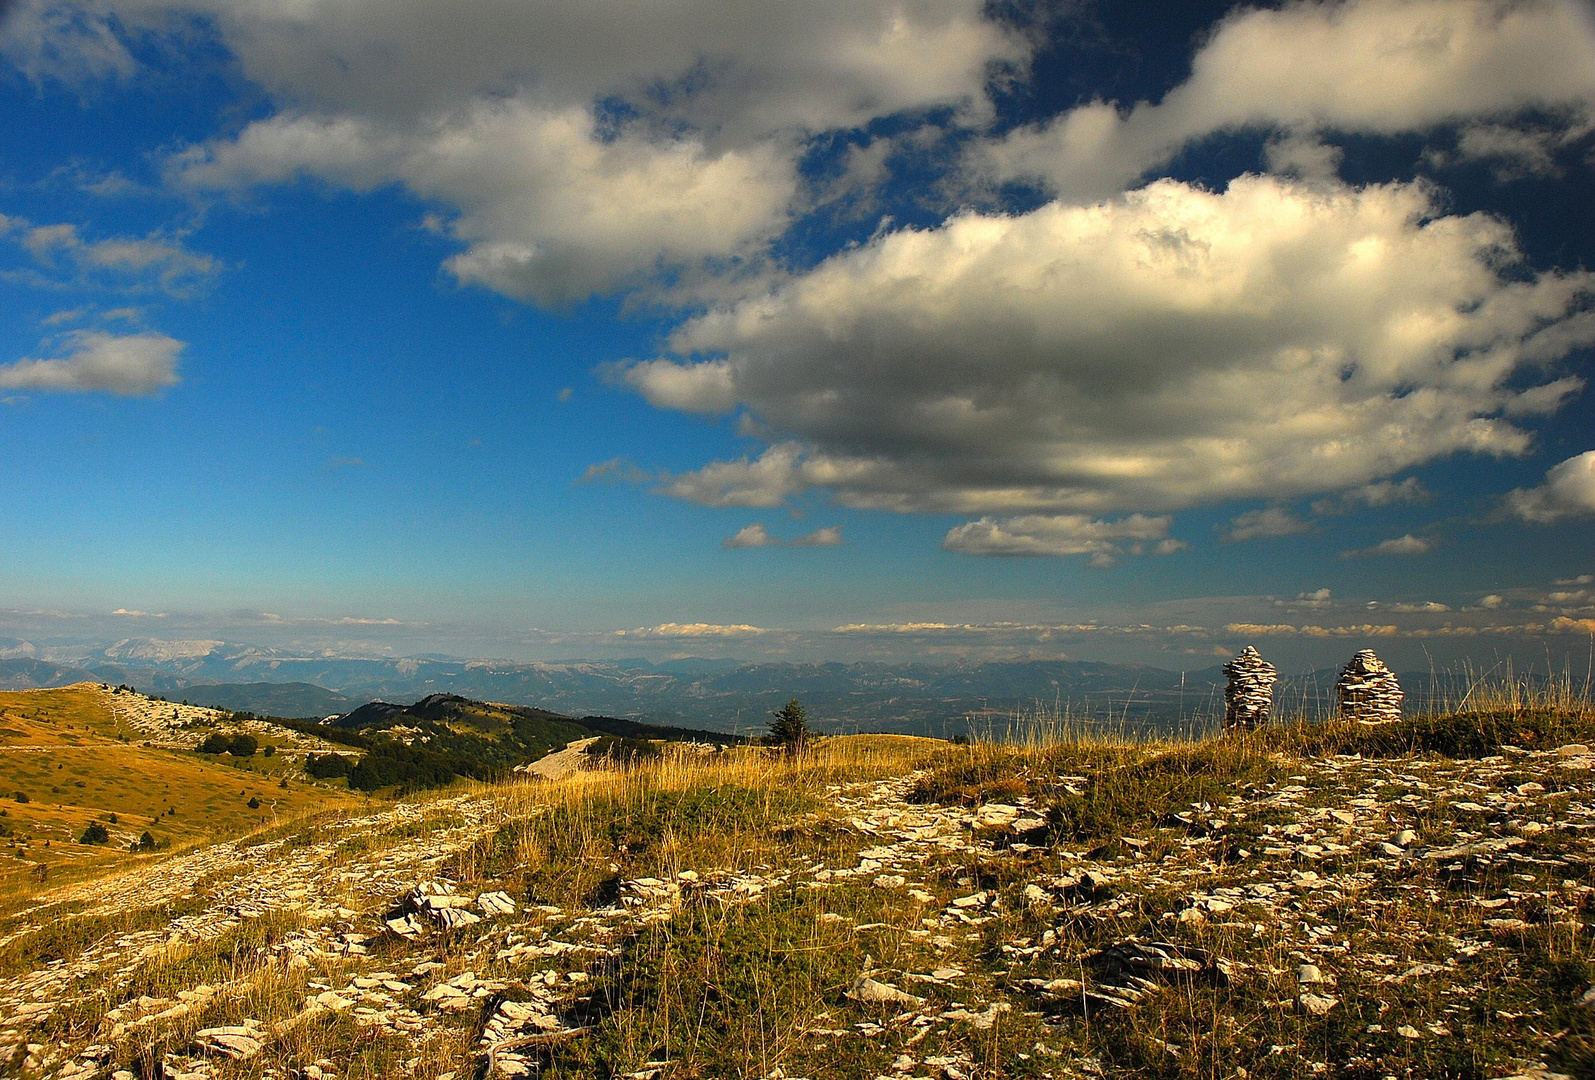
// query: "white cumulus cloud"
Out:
[1370,66]
[153,261]
[1399,545]
[549,209]
[756,535]
[1165,348]
[1568,491]
[1273,521]
[586,147]
[131,365]
[1064,534]
[694,630]
[1379,494]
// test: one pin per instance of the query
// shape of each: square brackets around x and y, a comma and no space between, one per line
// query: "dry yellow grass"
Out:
[77,763]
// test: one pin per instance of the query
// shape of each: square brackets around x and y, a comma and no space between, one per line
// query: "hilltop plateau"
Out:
[1408,900]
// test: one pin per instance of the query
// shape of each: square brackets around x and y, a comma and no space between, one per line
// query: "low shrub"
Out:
[236,745]
[215,743]
[327,766]
[622,750]
[1454,735]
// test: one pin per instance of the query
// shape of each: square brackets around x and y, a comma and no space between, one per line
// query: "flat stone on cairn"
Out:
[1367,691]
[1249,691]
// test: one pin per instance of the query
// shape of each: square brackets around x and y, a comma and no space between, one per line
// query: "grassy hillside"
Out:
[444,737]
[80,755]
[1409,901]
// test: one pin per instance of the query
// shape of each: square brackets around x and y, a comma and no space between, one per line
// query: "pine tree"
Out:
[789,729]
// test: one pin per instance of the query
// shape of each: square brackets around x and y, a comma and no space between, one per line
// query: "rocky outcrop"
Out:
[1249,691]
[1367,691]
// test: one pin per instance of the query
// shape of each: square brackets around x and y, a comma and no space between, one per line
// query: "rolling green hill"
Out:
[445,736]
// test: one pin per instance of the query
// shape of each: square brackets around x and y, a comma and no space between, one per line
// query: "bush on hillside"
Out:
[94,834]
[326,766]
[236,745]
[622,750]
[215,743]
[392,764]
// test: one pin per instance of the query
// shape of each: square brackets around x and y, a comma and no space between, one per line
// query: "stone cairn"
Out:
[1249,691]
[1367,691]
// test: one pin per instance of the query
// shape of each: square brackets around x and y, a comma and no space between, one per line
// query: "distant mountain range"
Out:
[720,695]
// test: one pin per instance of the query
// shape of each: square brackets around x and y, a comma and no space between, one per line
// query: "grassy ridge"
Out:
[75,762]
[798,874]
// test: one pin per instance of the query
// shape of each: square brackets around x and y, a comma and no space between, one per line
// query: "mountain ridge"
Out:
[727,696]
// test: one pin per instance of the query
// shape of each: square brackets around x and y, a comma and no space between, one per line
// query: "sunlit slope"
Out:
[77,755]
[1413,899]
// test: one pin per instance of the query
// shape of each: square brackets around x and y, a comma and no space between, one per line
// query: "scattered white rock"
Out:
[495,903]
[868,991]
[1316,1004]
[237,1043]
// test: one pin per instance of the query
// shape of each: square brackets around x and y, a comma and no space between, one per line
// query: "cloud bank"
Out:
[579,147]
[1161,349]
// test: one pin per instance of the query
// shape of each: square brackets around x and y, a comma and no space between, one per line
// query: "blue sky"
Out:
[896,329]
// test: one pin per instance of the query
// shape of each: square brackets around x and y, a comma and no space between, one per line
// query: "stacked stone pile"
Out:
[1249,692]
[1367,691]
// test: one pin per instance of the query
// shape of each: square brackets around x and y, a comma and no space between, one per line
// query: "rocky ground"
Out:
[183,727]
[1340,916]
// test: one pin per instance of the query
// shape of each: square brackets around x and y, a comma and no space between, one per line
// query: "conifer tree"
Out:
[789,729]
